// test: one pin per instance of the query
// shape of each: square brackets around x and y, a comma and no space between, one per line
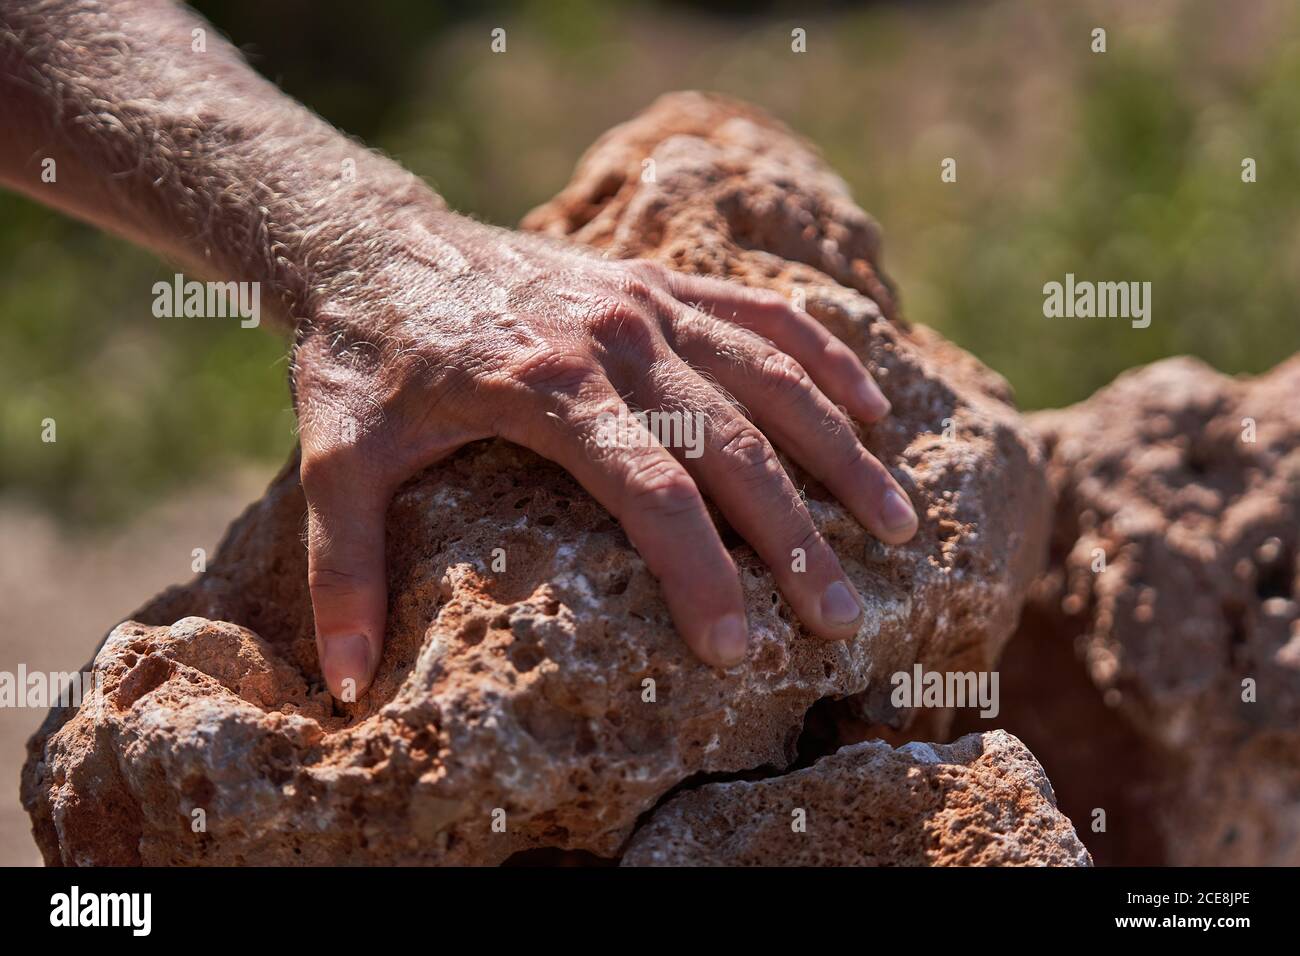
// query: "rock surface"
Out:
[511,710]
[1128,683]
[980,801]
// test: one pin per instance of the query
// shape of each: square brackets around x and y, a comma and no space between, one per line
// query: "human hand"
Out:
[419,331]
[453,331]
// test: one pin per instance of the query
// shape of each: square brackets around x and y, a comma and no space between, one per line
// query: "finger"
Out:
[659,507]
[345,573]
[740,472]
[790,409]
[832,364]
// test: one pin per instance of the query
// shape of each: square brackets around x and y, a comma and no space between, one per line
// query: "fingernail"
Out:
[873,399]
[839,606]
[896,513]
[729,640]
[346,658]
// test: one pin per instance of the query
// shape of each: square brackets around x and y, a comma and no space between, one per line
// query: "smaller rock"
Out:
[981,801]
[1156,672]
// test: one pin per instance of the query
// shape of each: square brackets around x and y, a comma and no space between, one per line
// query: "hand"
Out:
[419,331]
[455,332]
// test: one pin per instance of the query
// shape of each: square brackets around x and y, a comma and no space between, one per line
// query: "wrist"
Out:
[317,231]
[398,252]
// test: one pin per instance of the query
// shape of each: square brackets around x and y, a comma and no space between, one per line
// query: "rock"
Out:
[736,194]
[1130,684]
[980,801]
[551,705]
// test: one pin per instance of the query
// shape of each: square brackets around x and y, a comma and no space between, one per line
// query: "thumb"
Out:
[347,579]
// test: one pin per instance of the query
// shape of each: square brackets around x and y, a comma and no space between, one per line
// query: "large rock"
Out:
[512,710]
[981,801]
[1165,689]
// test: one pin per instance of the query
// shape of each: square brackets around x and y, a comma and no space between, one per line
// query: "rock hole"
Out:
[199,790]
[474,630]
[1277,567]
[151,672]
[1234,613]
[525,657]
[607,189]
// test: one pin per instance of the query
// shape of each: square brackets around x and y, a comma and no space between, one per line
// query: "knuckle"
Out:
[793,526]
[333,582]
[805,536]
[852,456]
[650,273]
[662,486]
[782,375]
[555,372]
[625,328]
[635,287]
[748,453]
[692,325]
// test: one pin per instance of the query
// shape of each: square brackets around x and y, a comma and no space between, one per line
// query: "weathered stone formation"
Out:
[522,699]
[981,801]
[1157,670]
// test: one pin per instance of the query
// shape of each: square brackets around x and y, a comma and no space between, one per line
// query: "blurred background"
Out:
[1124,165]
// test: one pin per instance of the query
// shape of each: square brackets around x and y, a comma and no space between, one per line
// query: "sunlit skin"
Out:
[417,330]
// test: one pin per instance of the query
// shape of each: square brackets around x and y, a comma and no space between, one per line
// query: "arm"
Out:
[189,153]
[419,330]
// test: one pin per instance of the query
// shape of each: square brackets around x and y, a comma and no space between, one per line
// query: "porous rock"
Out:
[980,801]
[554,699]
[1157,671]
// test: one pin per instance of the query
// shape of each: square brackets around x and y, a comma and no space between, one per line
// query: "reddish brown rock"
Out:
[521,698]
[980,801]
[1130,683]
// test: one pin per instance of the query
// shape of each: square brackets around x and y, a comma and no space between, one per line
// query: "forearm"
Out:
[186,151]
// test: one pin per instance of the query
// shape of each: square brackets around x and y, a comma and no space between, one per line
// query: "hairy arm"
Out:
[417,330]
[161,133]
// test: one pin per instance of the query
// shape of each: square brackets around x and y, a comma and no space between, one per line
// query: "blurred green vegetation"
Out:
[1117,166]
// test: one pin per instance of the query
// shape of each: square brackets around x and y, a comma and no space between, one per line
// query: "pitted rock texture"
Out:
[735,194]
[555,697]
[1128,682]
[980,801]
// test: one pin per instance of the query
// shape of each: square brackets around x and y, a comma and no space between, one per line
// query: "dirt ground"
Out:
[61,592]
